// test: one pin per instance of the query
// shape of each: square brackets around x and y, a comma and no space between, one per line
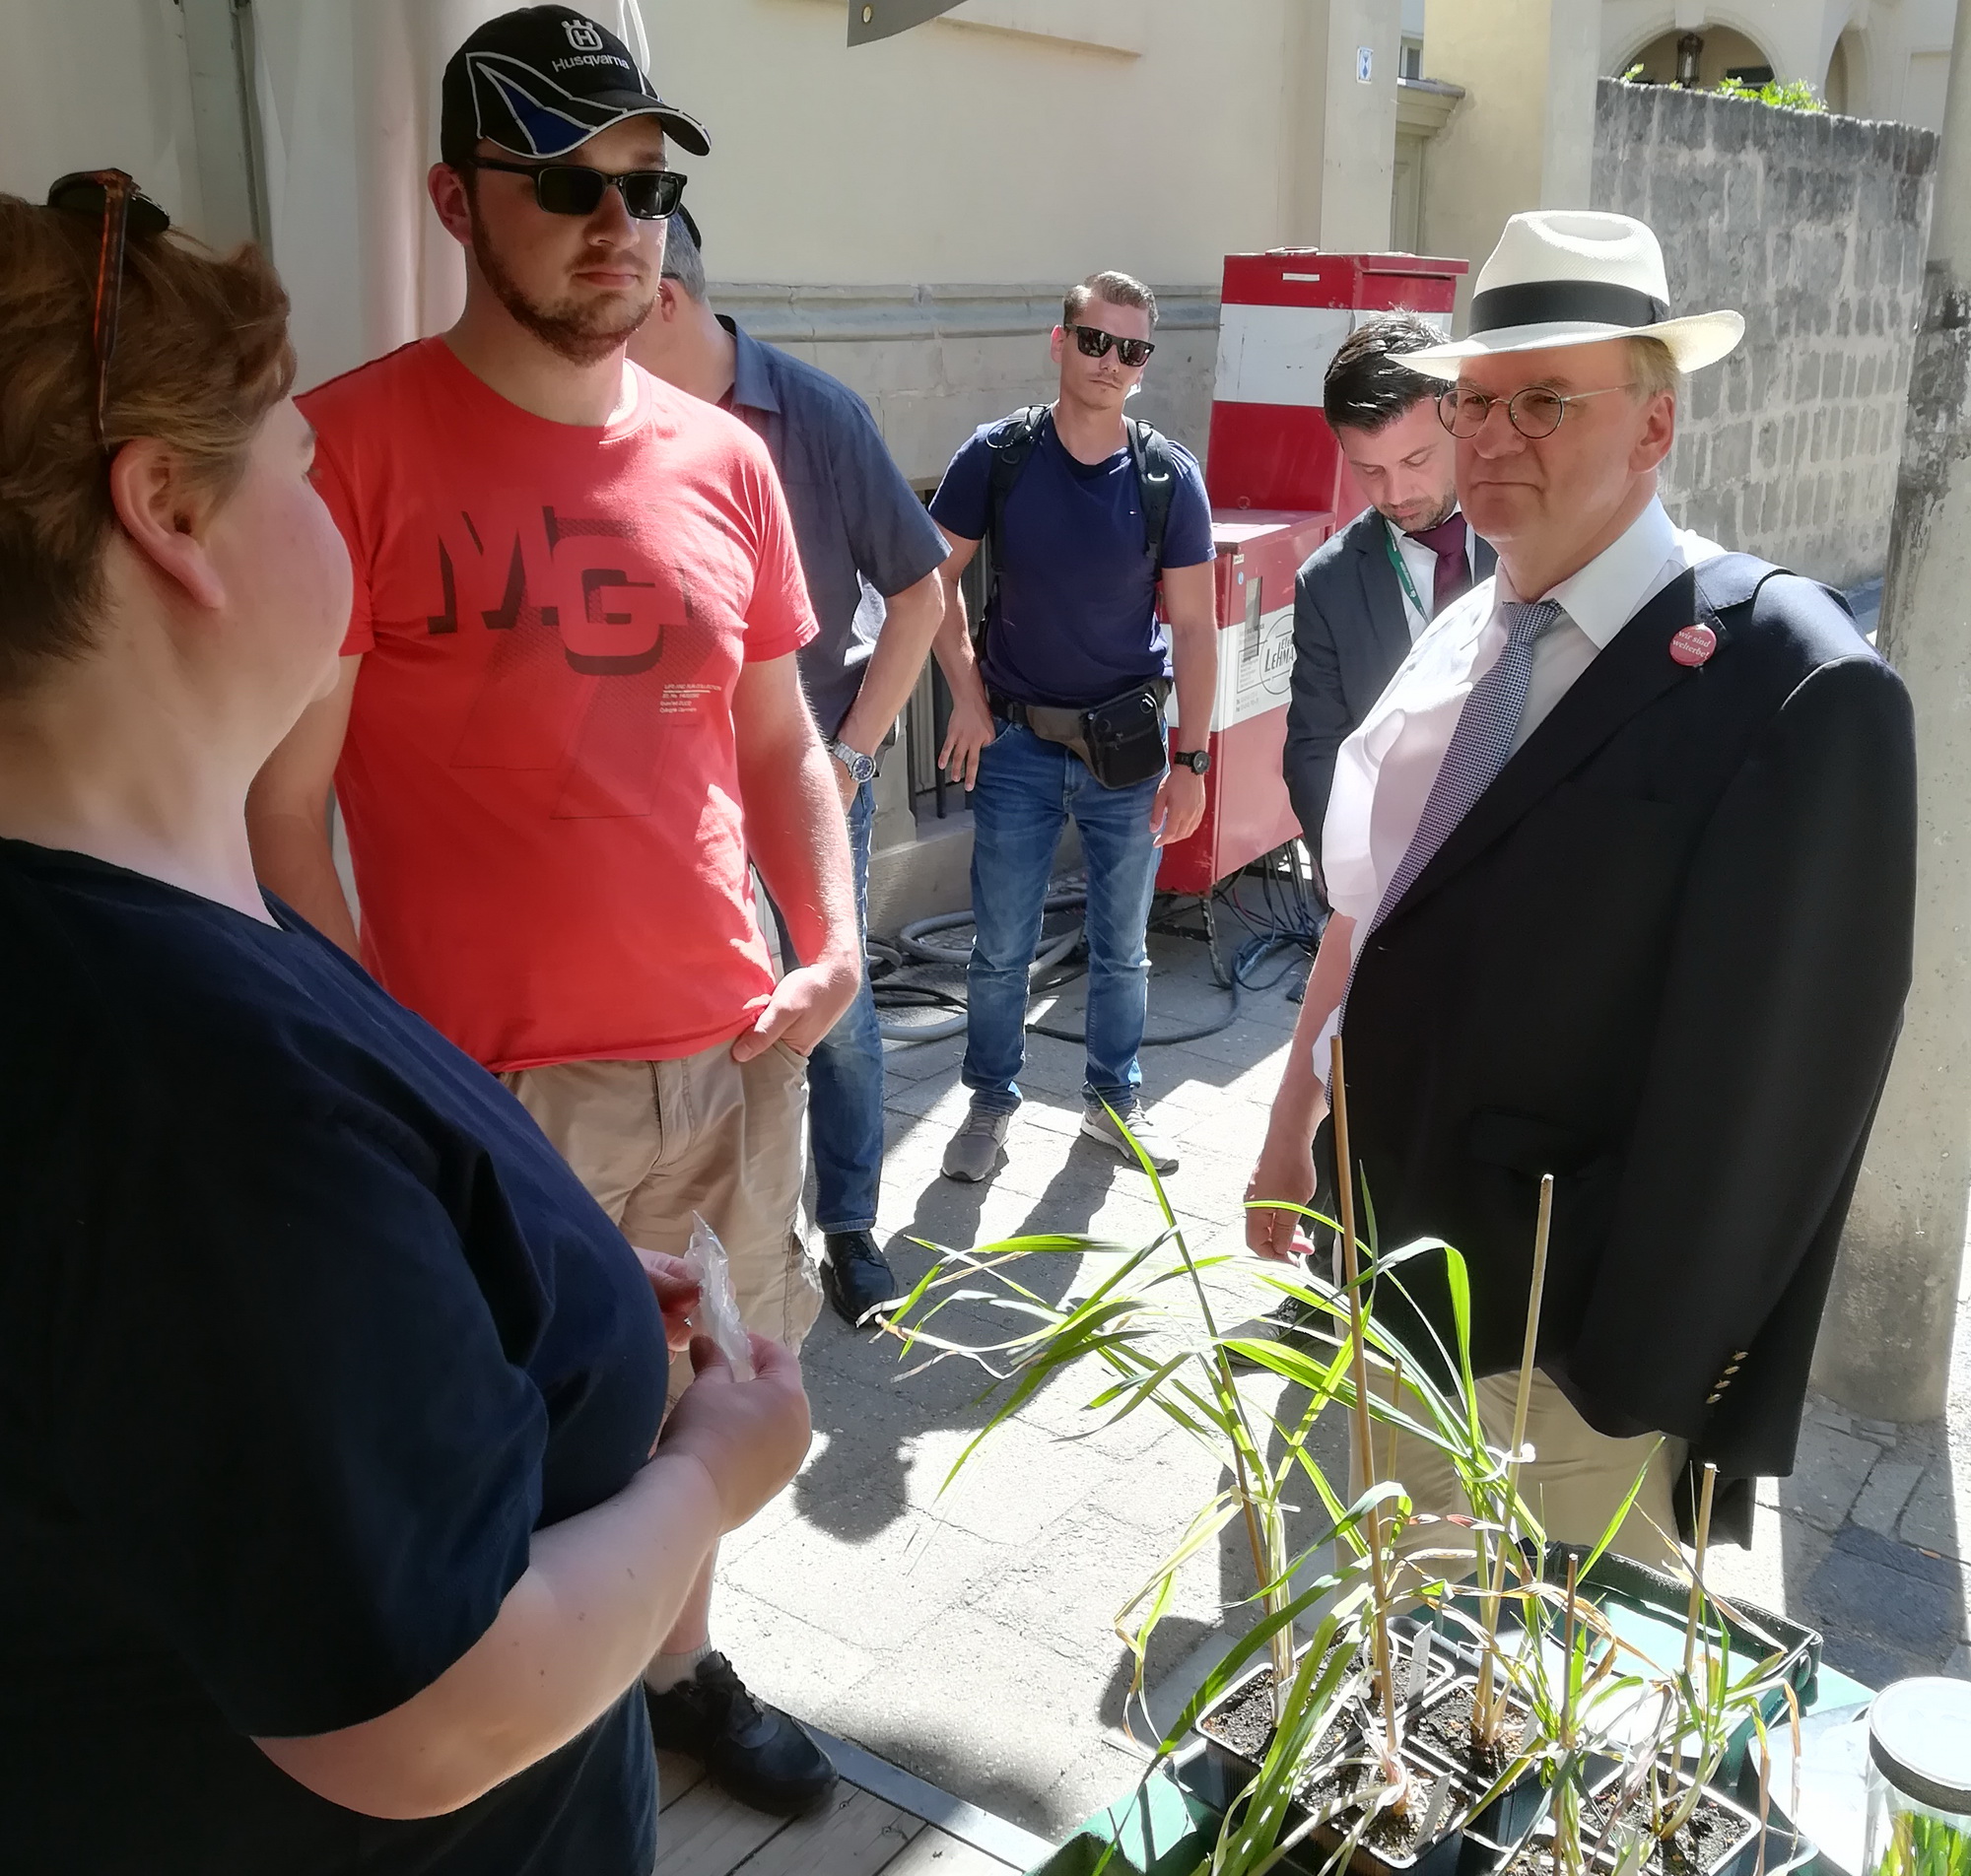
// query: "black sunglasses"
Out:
[568,188]
[1095,344]
[125,210]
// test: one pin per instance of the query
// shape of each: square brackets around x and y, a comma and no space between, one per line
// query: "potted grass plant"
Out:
[1315,1700]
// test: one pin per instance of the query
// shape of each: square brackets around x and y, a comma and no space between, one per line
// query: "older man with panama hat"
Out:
[1622,866]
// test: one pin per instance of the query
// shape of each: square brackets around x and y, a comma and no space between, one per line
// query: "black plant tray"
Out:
[1656,1600]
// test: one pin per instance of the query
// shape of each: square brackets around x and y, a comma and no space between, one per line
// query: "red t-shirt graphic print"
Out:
[539,780]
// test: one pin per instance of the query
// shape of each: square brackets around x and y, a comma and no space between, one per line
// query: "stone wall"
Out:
[1814,227]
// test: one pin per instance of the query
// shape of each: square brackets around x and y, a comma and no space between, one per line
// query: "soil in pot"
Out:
[1445,1728]
[1715,1833]
[1395,1837]
[1245,1723]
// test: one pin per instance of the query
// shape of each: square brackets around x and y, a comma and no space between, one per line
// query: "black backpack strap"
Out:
[1156,477]
[1726,580]
[1012,443]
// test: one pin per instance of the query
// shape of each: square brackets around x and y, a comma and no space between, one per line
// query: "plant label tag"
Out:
[1693,645]
[1418,1669]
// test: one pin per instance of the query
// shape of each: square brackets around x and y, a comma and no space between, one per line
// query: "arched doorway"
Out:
[1720,52]
[1847,86]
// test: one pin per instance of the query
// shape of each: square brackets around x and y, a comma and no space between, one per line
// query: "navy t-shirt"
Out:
[303,1329]
[1075,619]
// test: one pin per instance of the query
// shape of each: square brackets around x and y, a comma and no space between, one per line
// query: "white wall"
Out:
[95,85]
[964,153]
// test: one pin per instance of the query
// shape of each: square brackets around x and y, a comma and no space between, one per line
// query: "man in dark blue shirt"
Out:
[1073,652]
[870,552]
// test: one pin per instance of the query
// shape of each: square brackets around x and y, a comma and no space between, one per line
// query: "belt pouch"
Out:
[1125,737]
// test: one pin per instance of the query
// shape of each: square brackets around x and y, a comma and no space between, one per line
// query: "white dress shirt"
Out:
[1384,771]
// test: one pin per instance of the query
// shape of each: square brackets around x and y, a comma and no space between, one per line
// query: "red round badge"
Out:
[1694,644]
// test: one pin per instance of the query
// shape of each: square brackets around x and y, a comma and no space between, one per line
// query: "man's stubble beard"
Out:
[579,337]
[1438,519]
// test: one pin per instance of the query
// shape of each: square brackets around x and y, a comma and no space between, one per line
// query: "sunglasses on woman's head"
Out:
[568,188]
[125,211]
[1094,343]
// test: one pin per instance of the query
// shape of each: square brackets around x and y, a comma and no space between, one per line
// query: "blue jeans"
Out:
[1027,790]
[844,1074]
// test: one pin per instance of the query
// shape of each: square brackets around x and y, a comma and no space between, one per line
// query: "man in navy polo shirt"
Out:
[870,554]
[1073,650]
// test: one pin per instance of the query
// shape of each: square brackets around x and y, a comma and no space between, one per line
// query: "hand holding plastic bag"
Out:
[717,1308]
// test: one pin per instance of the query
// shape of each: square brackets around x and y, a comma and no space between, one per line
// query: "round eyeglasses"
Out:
[1534,412]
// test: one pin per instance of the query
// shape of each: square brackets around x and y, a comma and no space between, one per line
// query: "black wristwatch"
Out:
[1197,760]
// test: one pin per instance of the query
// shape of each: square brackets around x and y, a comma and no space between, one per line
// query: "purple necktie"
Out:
[1453,566]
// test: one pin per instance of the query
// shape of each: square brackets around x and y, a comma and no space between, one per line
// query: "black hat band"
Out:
[1538,302]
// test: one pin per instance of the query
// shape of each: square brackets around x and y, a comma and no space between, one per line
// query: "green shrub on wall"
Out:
[1796,95]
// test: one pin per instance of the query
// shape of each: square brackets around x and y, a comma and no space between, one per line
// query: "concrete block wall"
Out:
[936,361]
[1814,227]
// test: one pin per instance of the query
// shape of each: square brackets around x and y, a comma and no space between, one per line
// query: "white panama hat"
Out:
[1572,277]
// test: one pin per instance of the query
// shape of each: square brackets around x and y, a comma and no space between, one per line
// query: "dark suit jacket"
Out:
[1350,632]
[1663,957]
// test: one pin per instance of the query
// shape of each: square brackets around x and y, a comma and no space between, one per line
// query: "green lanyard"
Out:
[1403,574]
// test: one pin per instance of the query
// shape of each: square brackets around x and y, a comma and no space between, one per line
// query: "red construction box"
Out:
[1278,488]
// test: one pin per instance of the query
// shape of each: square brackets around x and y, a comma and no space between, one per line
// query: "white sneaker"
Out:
[1099,1124]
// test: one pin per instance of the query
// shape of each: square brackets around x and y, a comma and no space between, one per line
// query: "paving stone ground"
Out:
[966,1634]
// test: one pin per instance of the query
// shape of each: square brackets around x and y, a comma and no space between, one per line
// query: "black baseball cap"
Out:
[542,80]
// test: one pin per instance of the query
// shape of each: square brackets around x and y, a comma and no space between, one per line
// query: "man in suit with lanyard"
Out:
[1365,595]
[1623,875]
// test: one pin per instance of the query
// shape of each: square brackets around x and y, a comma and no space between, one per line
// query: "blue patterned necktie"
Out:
[1478,746]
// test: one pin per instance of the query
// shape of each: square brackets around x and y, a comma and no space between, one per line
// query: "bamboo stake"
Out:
[1364,1446]
[1482,1721]
[1396,1402]
[1572,1846]
[1567,1657]
[1697,1572]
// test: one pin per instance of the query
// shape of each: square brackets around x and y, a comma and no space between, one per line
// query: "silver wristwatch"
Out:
[861,767]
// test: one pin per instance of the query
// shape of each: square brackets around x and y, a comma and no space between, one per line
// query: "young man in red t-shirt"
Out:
[570,671]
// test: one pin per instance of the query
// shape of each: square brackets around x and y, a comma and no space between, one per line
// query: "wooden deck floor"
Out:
[704,1832]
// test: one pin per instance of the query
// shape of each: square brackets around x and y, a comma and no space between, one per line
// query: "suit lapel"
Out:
[1631,673]
[1382,597]
[1484,562]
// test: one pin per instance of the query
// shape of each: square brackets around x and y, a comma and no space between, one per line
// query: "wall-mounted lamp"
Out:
[1689,49]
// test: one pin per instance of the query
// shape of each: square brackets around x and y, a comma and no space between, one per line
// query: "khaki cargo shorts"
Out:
[655,1141]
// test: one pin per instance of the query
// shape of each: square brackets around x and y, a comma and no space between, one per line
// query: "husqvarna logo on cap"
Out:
[584,34]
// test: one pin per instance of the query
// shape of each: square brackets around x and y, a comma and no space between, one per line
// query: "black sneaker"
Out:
[752,1752]
[855,1278]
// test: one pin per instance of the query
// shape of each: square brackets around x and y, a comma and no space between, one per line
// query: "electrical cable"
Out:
[1290,920]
